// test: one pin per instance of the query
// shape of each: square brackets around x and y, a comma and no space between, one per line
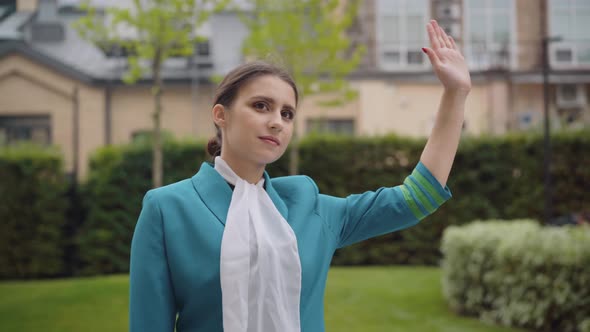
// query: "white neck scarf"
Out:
[260,266]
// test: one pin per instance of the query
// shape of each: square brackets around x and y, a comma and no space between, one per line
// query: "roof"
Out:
[74,56]
[80,59]
[11,26]
[20,47]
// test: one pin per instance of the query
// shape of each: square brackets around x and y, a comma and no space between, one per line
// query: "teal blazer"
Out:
[175,251]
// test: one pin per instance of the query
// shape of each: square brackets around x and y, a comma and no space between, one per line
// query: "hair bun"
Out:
[213,147]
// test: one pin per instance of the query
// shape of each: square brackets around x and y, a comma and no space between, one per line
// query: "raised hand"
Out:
[446,59]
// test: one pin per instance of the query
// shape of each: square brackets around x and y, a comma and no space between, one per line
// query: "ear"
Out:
[219,115]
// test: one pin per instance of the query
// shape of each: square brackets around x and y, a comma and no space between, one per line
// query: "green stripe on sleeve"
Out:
[410,200]
[422,199]
[428,187]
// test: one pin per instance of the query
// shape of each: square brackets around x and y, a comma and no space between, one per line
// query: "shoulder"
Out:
[296,189]
[169,193]
[295,184]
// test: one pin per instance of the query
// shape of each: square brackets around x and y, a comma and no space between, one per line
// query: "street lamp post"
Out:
[547,129]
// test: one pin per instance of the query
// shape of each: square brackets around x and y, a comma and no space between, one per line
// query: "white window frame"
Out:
[566,42]
[490,45]
[580,96]
[31,123]
[454,7]
[403,47]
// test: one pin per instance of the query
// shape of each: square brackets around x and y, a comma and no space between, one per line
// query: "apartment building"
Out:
[503,43]
[56,88]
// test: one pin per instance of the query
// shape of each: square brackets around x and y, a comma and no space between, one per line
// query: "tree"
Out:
[309,38]
[149,31]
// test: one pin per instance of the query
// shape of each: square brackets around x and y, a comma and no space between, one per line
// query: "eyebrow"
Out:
[272,101]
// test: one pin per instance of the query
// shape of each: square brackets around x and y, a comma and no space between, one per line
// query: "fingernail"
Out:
[424,50]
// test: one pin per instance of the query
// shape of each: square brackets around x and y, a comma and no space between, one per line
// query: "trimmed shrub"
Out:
[493,177]
[118,179]
[519,274]
[32,212]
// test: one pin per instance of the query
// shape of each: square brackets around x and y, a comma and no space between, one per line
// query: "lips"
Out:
[271,140]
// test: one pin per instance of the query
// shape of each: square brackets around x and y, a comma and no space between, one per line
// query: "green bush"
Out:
[118,179]
[519,273]
[32,212]
[493,177]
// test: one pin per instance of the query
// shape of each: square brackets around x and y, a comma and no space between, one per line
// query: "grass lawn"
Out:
[367,299]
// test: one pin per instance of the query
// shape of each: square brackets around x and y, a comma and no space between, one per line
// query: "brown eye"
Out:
[260,106]
[289,115]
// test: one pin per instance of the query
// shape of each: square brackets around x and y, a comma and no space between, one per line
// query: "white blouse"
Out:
[260,266]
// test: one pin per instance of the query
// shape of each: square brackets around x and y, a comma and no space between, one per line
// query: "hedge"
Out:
[32,212]
[119,177]
[493,177]
[519,274]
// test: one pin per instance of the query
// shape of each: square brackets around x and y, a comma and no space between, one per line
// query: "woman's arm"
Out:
[151,298]
[451,69]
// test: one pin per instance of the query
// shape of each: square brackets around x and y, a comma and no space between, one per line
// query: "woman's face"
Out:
[257,127]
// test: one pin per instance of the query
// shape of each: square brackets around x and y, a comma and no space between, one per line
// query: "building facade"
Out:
[502,41]
[56,88]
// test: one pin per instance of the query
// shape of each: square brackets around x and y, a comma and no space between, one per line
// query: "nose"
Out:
[275,122]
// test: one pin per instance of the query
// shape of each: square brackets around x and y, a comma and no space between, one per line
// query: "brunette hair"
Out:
[228,89]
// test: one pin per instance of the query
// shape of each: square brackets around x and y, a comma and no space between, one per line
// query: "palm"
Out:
[446,59]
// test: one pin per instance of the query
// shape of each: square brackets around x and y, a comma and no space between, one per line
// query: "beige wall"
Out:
[498,91]
[186,113]
[409,109]
[529,27]
[31,89]
[26,5]
[311,108]
[529,100]
[28,88]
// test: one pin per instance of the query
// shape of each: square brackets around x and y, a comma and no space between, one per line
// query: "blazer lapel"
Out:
[216,193]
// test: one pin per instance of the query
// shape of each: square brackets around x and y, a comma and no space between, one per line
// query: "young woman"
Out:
[231,249]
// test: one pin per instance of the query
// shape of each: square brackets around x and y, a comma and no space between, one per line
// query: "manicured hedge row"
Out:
[498,177]
[520,274]
[119,177]
[492,177]
[33,211]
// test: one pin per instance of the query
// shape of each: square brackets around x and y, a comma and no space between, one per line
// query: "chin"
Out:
[268,158]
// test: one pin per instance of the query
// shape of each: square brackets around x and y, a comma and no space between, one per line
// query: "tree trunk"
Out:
[157,156]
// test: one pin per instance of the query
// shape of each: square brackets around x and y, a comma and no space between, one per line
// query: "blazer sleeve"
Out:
[373,213]
[151,300]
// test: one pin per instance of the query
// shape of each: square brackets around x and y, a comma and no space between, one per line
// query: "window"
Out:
[332,126]
[401,33]
[47,32]
[490,36]
[570,117]
[17,129]
[570,20]
[203,48]
[571,96]
[564,55]
[115,50]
